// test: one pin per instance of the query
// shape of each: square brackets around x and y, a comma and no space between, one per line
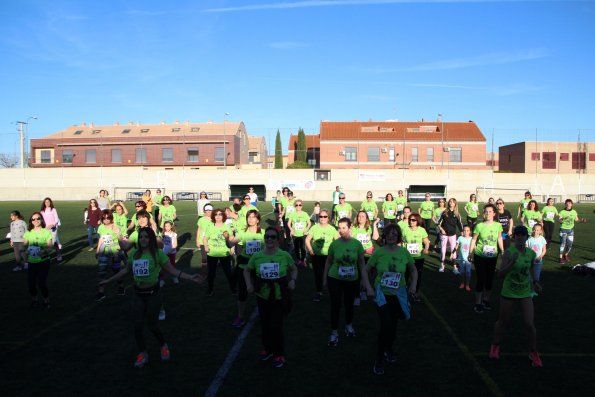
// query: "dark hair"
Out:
[492,206]
[141,203]
[568,201]
[417,218]
[109,214]
[257,217]
[345,220]
[166,197]
[31,222]
[237,207]
[367,224]
[173,227]
[407,207]
[216,211]
[17,213]
[536,205]
[96,204]
[391,197]
[142,214]
[272,229]
[43,204]
[390,228]
[152,243]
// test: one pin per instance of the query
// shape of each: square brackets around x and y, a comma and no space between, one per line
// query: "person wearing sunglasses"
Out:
[318,240]
[167,211]
[243,211]
[426,210]
[523,204]
[416,240]
[504,217]
[141,206]
[370,206]
[200,204]
[275,278]
[299,224]
[342,210]
[389,209]
[218,252]
[401,201]
[108,252]
[37,243]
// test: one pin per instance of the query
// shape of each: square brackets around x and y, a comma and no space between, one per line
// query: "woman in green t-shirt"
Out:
[472,210]
[519,285]
[370,206]
[523,204]
[218,253]
[167,212]
[531,216]
[146,261]
[342,271]
[299,223]
[37,241]
[108,252]
[318,240]
[389,209]
[426,210]
[548,215]
[567,218]
[415,239]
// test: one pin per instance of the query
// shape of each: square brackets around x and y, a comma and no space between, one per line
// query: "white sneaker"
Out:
[333,340]
[349,331]
[161,283]
[161,314]
[176,280]
[363,296]
[17,269]
[441,270]
[456,271]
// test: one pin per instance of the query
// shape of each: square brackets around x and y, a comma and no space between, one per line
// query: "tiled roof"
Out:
[254,142]
[398,131]
[312,141]
[137,129]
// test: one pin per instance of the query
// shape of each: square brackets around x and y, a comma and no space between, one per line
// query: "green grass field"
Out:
[79,347]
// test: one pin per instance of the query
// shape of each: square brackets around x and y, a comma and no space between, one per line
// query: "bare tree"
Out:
[7,161]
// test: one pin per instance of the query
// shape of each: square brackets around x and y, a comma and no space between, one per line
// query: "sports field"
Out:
[83,348]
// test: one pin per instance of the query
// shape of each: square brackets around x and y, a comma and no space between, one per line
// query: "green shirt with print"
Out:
[203,224]
[167,213]
[121,221]
[517,282]
[342,211]
[299,223]
[413,240]
[157,200]
[145,268]
[362,235]
[241,221]
[108,240]
[549,213]
[472,209]
[524,204]
[216,241]
[270,268]
[322,237]
[250,242]
[345,253]
[389,209]
[568,218]
[531,218]
[37,245]
[390,268]
[487,241]
[404,225]
[401,202]
[427,208]
[437,212]
[371,209]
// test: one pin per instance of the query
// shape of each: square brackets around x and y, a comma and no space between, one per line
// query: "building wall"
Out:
[547,157]
[512,157]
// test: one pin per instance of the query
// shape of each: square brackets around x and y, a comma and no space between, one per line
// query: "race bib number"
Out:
[489,251]
[252,247]
[269,271]
[298,226]
[346,271]
[342,214]
[532,222]
[390,280]
[140,268]
[413,248]
[34,251]
[391,212]
[363,238]
[229,221]
[290,209]
[525,205]
[107,239]
[549,215]
[370,215]
[400,207]
[475,207]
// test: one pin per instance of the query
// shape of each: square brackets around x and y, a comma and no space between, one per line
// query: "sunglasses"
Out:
[369,196]
[341,198]
[138,206]
[412,220]
[35,219]
[105,217]
[297,205]
[246,198]
[323,216]
[218,214]
[270,237]
[499,203]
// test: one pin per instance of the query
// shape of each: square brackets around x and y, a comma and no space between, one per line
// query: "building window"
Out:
[391,154]
[564,156]
[78,132]
[252,157]
[535,156]
[167,155]
[549,161]
[90,156]
[322,175]
[373,154]
[430,154]
[140,155]
[45,156]
[591,156]
[126,131]
[579,160]
[116,155]
[350,154]
[219,154]
[194,129]
[414,157]
[144,130]
[192,155]
[455,155]
[67,156]
[177,129]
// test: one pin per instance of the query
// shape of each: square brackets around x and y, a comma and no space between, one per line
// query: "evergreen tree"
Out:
[302,150]
[278,152]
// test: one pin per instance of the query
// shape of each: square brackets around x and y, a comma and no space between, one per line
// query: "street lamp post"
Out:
[442,156]
[224,139]
[22,138]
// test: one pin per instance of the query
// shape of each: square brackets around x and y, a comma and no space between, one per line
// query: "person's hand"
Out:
[426,251]
[291,285]
[226,235]
[103,283]
[11,244]
[197,278]
[250,288]
[376,221]
[536,286]
[412,290]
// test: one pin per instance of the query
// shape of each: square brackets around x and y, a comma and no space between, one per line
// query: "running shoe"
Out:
[535,359]
[390,357]
[363,296]
[478,308]
[356,302]
[487,305]
[494,352]
[456,271]
[462,285]
[468,288]
[91,249]
[60,259]
[100,297]
[317,297]
[378,368]
[141,360]
[238,322]
[176,280]
[264,355]
[161,283]
[333,340]
[17,269]
[278,362]
[161,314]
[121,291]
[165,352]
[441,270]
[349,331]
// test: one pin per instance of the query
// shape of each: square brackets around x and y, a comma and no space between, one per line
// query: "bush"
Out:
[298,165]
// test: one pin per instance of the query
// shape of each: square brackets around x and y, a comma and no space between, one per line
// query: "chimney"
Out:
[91,125]
[117,123]
[162,122]
[83,124]
[187,122]
[177,122]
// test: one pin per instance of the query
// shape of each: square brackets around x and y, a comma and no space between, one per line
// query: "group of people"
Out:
[349,256]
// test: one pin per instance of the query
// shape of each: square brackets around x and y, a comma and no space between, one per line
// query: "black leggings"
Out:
[548,230]
[471,222]
[37,276]
[318,262]
[271,320]
[485,268]
[299,248]
[239,279]
[419,266]
[346,290]
[388,315]
[145,310]
[427,224]
[212,262]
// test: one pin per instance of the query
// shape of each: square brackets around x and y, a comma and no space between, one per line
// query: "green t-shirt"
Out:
[289,208]
[37,245]
[487,241]
[203,223]
[250,242]
[270,268]
[345,259]
[427,207]
[364,236]
[531,218]
[216,241]
[389,209]
[108,240]
[523,204]
[568,218]
[401,202]
[390,268]
[472,209]
[157,200]
[517,282]
[437,212]
[371,209]
[121,221]
[146,268]
[299,223]
[549,212]
[284,201]
[322,237]
[342,211]
[241,221]
[167,214]
[413,240]
[135,221]
[404,225]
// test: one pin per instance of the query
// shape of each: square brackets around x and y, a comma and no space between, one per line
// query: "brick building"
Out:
[547,157]
[134,144]
[312,150]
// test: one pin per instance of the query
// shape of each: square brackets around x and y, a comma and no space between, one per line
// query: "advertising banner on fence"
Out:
[292,185]
[372,176]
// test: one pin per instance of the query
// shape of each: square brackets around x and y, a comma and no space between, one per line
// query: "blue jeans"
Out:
[537,265]
[91,232]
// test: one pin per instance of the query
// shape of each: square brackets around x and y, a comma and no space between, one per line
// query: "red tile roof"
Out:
[312,141]
[398,131]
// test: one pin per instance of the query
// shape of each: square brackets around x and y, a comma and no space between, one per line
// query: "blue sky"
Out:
[510,66]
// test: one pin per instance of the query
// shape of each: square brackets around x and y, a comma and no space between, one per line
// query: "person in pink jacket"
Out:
[52,222]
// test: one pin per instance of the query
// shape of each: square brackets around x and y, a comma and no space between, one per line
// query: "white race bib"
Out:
[140,268]
[391,213]
[269,271]
[475,207]
[34,251]
[298,226]
[252,247]
[413,248]
[229,221]
[532,222]
[363,238]
[346,271]
[400,207]
[107,239]
[549,215]
[290,209]
[342,214]
[525,205]
[370,215]
[390,280]
[489,251]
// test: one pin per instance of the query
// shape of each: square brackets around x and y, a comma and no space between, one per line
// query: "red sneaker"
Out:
[535,359]
[164,353]
[494,352]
